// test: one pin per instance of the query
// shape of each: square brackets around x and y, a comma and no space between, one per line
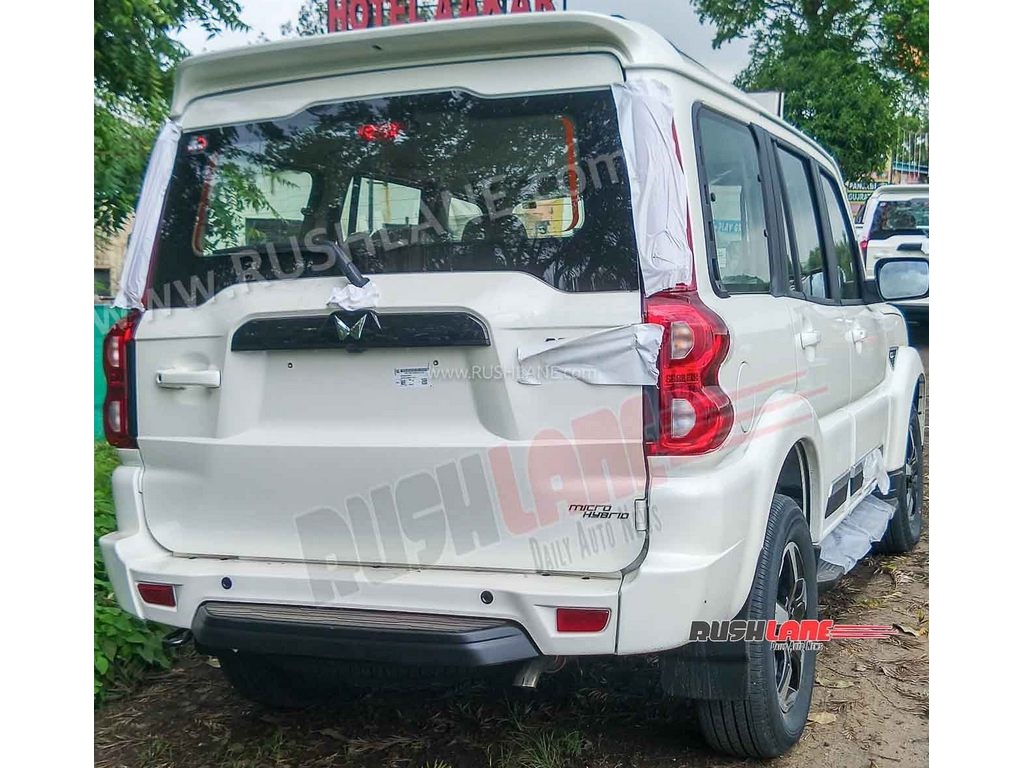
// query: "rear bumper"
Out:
[360,635]
[525,600]
[705,530]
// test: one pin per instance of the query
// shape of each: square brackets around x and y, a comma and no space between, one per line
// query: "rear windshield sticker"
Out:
[412,377]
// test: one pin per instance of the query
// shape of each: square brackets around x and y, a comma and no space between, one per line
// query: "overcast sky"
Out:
[673,18]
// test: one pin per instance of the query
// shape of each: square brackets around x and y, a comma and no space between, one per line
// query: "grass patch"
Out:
[540,749]
[124,646]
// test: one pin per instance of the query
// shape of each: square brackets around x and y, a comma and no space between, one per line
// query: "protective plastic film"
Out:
[352,297]
[852,538]
[627,355]
[147,218]
[657,183]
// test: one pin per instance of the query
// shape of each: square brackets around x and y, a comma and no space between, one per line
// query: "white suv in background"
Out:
[895,223]
[495,342]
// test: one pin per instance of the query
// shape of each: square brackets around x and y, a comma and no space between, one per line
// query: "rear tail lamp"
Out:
[118,406]
[864,248]
[690,414]
[157,594]
[582,619]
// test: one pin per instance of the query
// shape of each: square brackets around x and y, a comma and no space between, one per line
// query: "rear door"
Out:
[275,426]
[820,327]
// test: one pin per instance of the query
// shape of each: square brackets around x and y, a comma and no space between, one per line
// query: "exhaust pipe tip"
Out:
[528,675]
[177,638]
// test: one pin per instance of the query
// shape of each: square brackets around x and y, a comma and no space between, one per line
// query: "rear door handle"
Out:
[858,334]
[176,378]
[810,339]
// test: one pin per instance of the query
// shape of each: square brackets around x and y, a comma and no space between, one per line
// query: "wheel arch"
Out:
[789,424]
[908,385]
[796,472]
[798,475]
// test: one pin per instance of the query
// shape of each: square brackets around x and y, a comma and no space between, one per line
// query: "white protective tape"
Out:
[147,218]
[657,183]
[627,355]
[852,538]
[351,297]
[874,469]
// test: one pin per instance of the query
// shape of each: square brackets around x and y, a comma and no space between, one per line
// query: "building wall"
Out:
[108,259]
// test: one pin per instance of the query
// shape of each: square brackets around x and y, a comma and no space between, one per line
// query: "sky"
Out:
[673,18]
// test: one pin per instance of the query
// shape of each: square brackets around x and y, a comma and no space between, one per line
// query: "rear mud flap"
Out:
[709,671]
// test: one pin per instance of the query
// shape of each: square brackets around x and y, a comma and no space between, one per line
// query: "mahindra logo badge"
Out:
[354,330]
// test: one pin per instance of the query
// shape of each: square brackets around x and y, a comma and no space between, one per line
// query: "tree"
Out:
[312,20]
[133,60]
[849,68]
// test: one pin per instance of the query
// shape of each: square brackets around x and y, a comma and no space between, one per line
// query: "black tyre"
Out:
[904,530]
[771,718]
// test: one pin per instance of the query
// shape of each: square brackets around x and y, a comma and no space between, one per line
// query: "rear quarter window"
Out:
[734,190]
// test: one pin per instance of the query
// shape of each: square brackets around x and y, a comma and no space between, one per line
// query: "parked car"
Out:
[896,224]
[494,343]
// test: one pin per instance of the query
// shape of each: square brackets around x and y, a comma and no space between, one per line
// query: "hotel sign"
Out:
[343,15]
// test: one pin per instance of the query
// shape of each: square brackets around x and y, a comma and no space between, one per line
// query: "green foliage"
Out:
[121,147]
[832,97]
[542,749]
[849,68]
[124,647]
[904,30]
[133,59]
[312,20]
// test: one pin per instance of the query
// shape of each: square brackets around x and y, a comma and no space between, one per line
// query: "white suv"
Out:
[494,342]
[895,223]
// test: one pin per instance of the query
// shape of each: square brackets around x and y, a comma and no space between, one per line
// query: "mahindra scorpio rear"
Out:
[425,369]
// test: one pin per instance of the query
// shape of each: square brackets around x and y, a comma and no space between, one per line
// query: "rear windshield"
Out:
[900,217]
[433,182]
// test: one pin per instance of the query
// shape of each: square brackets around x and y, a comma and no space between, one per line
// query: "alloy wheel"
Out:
[790,605]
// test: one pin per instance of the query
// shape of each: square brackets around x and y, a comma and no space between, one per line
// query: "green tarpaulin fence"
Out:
[103,317]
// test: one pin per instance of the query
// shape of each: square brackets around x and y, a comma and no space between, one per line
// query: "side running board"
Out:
[844,547]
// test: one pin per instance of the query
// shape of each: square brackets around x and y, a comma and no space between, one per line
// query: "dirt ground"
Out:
[870,707]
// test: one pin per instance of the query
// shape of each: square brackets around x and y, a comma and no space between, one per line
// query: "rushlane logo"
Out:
[809,633]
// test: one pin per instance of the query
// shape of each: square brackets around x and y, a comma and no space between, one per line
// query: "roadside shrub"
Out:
[124,646]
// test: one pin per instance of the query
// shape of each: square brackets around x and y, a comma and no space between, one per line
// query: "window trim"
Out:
[786,251]
[764,173]
[823,174]
[827,254]
[773,221]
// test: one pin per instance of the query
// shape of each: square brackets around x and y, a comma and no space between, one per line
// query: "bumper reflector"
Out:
[581,619]
[157,594]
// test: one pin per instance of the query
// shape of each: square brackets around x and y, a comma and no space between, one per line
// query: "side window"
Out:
[558,217]
[802,221]
[460,213]
[246,206]
[733,179]
[379,204]
[842,239]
